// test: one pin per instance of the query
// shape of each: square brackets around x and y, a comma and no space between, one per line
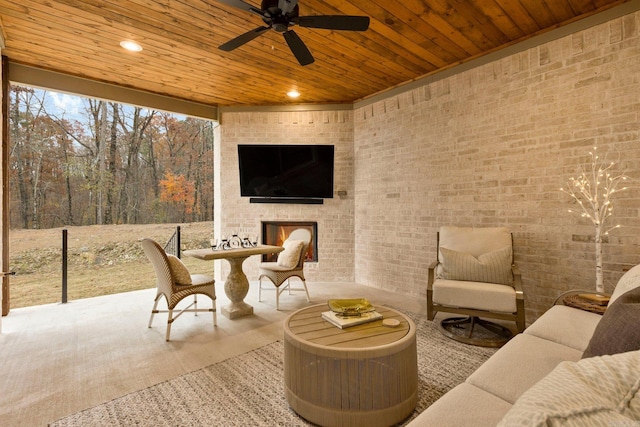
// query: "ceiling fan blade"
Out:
[242,39]
[239,4]
[335,22]
[287,6]
[298,48]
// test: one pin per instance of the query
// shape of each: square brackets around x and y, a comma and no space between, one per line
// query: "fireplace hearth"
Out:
[276,232]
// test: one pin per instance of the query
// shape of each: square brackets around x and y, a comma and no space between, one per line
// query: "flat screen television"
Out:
[286,171]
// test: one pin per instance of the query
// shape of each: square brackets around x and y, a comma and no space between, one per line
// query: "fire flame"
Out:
[276,235]
[282,237]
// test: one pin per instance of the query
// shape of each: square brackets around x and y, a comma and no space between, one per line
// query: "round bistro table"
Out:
[236,286]
[361,375]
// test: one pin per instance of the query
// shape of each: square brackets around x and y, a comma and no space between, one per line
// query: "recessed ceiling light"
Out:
[131,45]
[293,94]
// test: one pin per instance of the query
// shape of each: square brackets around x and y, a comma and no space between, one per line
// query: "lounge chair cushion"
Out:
[180,272]
[475,295]
[490,267]
[290,257]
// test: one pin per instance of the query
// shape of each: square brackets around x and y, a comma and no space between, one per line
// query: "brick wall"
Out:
[335,217]
[487,147]
[491,147]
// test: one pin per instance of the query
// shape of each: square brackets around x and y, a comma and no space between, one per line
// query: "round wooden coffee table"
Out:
[361,375]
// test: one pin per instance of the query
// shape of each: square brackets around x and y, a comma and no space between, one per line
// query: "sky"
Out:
[67,105]
[71,107]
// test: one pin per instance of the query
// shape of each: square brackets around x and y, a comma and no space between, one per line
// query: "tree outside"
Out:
[100,164]
[106,164]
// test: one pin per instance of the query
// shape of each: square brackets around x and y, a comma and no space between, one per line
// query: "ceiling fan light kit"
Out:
[281,15]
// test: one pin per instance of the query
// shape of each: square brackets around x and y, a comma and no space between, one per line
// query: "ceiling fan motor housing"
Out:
[274,16]
[280,15]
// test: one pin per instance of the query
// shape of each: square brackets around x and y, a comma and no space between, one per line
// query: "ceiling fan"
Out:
[280,15]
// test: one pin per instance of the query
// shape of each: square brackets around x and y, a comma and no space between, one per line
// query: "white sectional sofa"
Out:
[541,378]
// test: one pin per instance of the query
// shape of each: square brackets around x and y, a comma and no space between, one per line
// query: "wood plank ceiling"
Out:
[406,40]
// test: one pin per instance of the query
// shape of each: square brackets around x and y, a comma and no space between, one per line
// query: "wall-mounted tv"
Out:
[286,172]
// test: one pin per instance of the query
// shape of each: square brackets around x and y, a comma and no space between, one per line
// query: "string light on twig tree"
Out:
[593,190]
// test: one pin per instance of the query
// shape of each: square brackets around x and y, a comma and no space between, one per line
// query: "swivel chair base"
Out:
[462,329]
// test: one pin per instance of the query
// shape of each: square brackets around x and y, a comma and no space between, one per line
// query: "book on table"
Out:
[595,298]
[345,321]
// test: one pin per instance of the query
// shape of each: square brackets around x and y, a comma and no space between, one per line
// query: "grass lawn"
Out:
[102,260]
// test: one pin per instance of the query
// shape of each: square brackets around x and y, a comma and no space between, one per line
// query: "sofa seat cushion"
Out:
[596,391]
[475,295]
[521,363]
[565,325]
[464,405]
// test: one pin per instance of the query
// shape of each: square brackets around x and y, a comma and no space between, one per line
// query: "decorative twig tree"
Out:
[593,189]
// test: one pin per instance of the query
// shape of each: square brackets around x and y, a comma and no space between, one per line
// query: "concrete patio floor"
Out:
[58,359]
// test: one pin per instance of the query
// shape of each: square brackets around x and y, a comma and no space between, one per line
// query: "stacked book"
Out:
[595,298]
[342,321]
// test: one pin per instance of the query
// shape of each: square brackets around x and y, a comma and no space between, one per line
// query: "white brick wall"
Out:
[489,146]
[492,146]
[335,217]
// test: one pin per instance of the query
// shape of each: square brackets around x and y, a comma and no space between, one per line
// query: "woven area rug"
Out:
[248,390]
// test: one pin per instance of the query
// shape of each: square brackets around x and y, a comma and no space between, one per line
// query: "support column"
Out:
[217,197]
[4,182]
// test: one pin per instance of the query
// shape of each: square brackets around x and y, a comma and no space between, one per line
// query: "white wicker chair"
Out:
[173,292]
[278,275]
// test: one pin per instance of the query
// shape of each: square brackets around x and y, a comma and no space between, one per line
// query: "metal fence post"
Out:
[178,247]
[64,265]
[173,244]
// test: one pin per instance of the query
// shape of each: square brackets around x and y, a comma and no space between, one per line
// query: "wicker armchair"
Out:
[474,275]
[170,274]
[279,272]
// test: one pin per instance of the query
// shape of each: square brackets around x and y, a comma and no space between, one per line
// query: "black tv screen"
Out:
[286,171]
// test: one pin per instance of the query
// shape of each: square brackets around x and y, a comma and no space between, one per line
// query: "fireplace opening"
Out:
[276,232]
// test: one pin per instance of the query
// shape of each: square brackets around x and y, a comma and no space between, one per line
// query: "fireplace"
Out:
[276,232]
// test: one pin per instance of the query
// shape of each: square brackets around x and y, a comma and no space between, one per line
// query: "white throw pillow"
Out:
[291,255]
[601,390]
[491,267]
[180,272]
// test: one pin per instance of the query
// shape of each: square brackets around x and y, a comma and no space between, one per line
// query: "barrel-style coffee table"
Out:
[362,375]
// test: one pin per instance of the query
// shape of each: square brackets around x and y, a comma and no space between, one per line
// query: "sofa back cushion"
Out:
[630,280]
